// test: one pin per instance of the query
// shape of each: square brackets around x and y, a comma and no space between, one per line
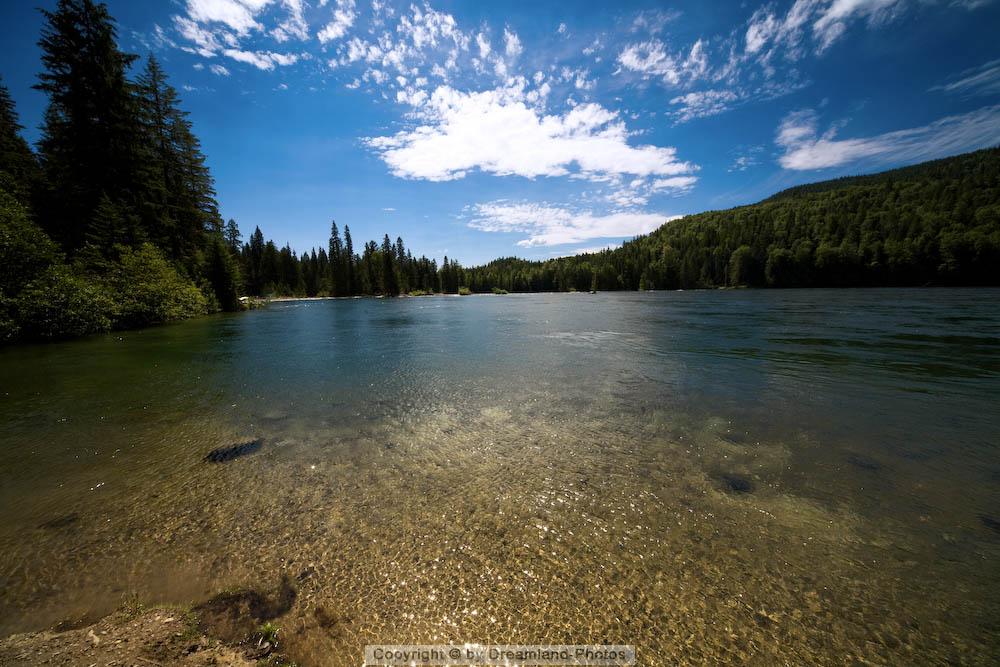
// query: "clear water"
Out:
[769,476]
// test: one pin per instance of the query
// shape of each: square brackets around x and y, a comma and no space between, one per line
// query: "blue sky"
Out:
[537,129]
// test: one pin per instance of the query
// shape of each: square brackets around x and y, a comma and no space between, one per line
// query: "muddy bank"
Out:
[239,628]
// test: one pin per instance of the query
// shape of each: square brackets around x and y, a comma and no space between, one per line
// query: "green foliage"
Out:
[25,250]
[223,274]
[935,223]
[59,304]
[269,633]
[17,162]
[464,291]
[149,290]
[91,138]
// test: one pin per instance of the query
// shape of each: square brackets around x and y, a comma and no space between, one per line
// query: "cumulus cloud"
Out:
[239,15]
[512,44]
[590,250]
[652,59]
[265,60]
[548,225]
[294,26]
[343,19]
[702,103]
[805,149]
[219,69]
[497,132]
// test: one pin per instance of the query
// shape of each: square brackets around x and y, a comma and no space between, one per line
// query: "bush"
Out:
[25,250]
[148,290]
[464,291]
[9,328]
[60,305]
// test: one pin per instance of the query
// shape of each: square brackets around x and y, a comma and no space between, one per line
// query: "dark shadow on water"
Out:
[224,454]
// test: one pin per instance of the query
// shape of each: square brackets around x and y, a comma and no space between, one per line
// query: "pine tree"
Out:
[16,158]
[223,274]
[180,190]
[255,263]
[337,269]
[390,284]
[352,278]
[232,236]
[91,140]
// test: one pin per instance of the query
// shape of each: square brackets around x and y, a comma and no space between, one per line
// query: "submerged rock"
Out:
[990,522]
[61,521]
[737,484]
[864,463]
[223,454]
[235,616]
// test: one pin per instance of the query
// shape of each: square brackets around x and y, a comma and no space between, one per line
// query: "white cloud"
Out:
[982,80]
[826,21]
[343,19]
[206,44]
[265,60]
[512,44]
[674,183]
[832,20]
[651,59]
[654,20]
[748,159]
[483,42]
[239,15]
[702,104]
[805,149]
[219,69]
[548,225]
[497,132]
[590,250]
[295,26]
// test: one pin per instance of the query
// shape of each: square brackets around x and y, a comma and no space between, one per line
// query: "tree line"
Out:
[935,223]
[387,269]
[113,222]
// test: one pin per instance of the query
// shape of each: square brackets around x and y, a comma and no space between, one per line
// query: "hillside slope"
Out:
[936,223]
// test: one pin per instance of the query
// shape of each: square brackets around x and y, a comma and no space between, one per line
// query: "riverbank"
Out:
[229,629]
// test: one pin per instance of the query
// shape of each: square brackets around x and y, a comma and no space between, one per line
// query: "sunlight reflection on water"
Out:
[712,476]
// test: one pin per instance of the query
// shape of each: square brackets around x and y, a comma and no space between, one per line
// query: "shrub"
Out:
[464,291]
[148,290]
[60,305]
[25,250]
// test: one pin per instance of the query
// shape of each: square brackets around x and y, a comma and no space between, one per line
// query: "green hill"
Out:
[935,223]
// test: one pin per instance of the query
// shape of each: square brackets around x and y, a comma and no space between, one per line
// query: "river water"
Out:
[803,477]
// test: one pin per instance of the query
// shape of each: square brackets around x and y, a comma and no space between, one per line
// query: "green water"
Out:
[799,477]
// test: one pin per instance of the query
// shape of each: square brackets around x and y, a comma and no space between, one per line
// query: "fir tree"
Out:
[390,284]
[91,141]
[16,157]
[338,271]
[232,236]
[352,280]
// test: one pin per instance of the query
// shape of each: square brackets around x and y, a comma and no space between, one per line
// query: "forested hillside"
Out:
[936,223]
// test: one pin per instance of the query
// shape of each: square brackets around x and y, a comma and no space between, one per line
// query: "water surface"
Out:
[727,476]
